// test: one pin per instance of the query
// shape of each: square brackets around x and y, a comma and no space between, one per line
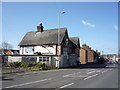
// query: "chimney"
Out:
[84,46]
[40,28]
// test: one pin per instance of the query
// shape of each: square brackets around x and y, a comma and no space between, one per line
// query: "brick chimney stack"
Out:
[40,28]
[84,46]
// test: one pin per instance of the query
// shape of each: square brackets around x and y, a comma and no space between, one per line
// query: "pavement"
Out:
[65,78]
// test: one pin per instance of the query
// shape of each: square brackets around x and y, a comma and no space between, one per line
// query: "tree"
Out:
[5,46]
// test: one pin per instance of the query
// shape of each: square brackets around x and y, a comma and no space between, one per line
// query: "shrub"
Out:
[36,69]
[44,68]
[17,64]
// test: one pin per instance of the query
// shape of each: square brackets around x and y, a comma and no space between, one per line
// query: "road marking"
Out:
[90,72]
[76,76]
[90,76]
[28,83]
[104,71]
[64,86]
[98,71]
[71,74]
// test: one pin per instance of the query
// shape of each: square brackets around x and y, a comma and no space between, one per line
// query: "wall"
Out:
[90,56]
[53,60]
[73,59]
[64,61]
[45,50]
[83,56]
[14,58]
[23,50]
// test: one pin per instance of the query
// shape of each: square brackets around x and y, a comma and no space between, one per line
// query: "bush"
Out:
[101,60]
[14,64]
[36,69]
[45,68]
[34,66]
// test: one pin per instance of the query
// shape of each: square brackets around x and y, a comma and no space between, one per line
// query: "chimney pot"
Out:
[40,28]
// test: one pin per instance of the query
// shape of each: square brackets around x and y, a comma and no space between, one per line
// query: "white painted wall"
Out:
[23,51]
[14,59]
[53,60]
[45,50]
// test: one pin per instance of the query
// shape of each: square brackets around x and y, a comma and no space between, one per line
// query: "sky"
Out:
[95,23]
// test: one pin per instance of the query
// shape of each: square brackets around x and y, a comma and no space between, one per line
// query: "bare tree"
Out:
[5,46]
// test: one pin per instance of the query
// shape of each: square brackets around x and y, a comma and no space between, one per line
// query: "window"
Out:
[47,58]
[29,49]
[44,59]
[40,59]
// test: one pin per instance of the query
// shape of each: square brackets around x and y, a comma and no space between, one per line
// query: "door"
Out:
[57,64]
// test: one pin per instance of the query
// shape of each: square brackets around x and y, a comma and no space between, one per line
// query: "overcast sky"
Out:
[95,23]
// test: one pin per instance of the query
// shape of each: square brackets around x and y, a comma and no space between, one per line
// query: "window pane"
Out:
[40,58]
[47,58]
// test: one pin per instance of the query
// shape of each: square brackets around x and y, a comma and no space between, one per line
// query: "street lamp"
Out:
[59,35]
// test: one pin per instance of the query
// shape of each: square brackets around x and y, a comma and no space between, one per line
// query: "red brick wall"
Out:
[83,56]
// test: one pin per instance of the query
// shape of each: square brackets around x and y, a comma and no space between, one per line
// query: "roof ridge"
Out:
[50,29]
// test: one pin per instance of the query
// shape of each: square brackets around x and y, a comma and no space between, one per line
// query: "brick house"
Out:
[90,53]
[87,55]
[83,56]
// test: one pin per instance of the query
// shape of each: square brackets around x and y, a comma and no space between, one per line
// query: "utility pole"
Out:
[58,48]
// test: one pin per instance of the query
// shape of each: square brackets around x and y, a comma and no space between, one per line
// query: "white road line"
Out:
[90,76]
[90,72]
[98,71]
[71,74]
[28,83]
[104,71]
[92,69]
[76,76]
[65,86]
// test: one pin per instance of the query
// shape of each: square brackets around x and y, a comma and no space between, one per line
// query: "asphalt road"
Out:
[66,78]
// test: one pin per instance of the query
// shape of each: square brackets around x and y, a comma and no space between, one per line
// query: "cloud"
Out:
[88,23]
[115,27]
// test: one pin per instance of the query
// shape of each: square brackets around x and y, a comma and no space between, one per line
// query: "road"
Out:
[66,78]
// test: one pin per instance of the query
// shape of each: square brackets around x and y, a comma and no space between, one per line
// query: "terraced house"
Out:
[50,46]
[87,55]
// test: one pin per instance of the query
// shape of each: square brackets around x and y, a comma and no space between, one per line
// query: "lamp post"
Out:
[59,37]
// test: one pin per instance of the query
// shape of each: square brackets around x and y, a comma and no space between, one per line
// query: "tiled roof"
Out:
[41,38]
[75,40]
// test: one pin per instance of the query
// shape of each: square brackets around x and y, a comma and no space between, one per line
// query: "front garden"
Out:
[27,66]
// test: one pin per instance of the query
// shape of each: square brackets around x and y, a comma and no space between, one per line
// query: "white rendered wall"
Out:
[47,50]
[14,59]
